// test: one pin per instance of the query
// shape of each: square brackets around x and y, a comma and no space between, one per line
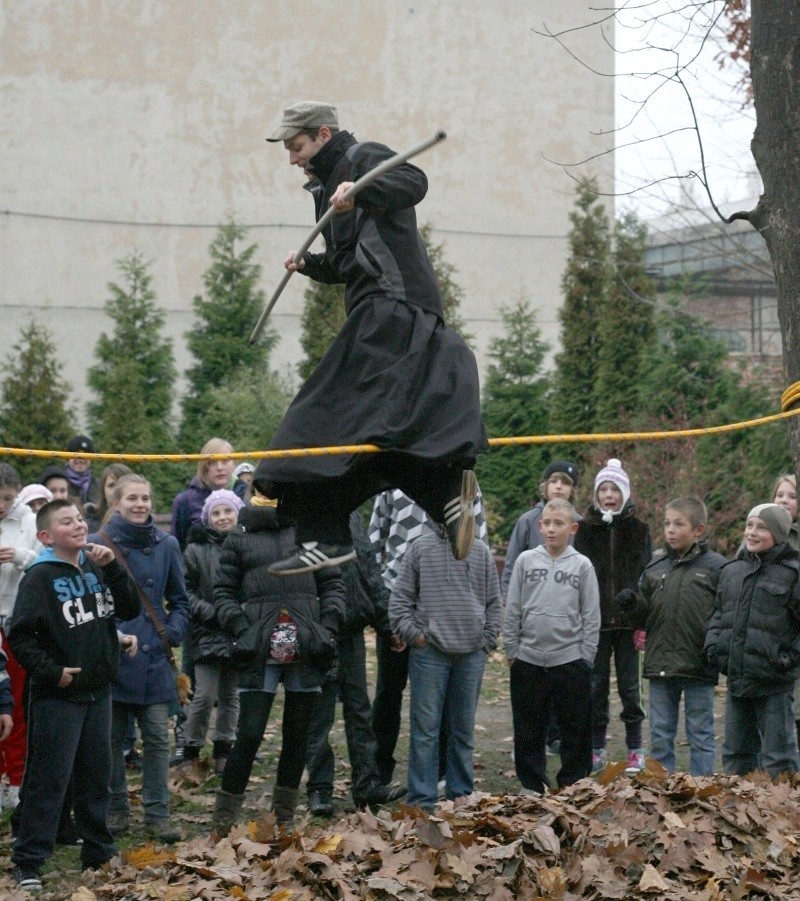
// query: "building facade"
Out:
[140,124]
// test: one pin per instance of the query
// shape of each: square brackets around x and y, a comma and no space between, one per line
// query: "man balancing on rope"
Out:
[395,375]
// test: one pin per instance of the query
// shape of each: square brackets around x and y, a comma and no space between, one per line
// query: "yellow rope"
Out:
[789,397]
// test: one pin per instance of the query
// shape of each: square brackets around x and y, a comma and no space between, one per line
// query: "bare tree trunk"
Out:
[775,65]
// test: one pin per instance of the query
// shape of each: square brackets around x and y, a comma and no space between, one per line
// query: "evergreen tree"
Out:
[514,403]
[225,316]
[134,377]
[35,411]
[690,383]
[323,310]
[246,408]
[625,331]
[321,319]
[585,286]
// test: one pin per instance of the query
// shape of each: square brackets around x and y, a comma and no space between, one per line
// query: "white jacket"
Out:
[17,530]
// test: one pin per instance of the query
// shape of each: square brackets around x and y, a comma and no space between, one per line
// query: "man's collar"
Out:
[326,158]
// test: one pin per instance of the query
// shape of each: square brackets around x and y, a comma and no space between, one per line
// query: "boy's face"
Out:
[609,497]
[556,526]
[679,533]
[59,487]
[223,518]
[757,537]
[66,532]
[135,504]
[7,498]
[37,503]
[559,485]
[786,496]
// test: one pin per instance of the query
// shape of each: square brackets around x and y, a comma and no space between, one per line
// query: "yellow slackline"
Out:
[789,397]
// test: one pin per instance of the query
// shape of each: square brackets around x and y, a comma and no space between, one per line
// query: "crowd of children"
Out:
[88,624]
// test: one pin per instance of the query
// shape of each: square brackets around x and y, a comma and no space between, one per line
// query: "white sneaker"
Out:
[12,797]
[441,788]
[635,762]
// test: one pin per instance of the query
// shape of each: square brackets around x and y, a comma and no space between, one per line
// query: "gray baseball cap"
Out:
[305,114]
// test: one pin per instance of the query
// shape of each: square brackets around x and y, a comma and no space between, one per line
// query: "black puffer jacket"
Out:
[248,599]
[675,605]
[619,551]
[754,635]
[209,641]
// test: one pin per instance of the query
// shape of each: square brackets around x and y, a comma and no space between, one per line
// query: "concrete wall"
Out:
[140,124]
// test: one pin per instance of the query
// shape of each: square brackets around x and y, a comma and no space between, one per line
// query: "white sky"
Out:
[657,35]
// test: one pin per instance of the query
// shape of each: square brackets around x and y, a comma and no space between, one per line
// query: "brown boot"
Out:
[284,802]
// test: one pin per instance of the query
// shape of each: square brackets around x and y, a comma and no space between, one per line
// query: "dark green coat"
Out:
[675,605]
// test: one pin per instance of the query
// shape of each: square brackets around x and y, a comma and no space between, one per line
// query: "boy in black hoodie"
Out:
[64,634]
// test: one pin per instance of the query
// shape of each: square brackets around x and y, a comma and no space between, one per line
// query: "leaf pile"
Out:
[655,835]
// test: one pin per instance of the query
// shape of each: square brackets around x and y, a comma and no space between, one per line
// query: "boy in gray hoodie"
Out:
[448,612]
[551,631]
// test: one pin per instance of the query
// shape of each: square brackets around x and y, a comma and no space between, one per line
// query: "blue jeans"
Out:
[153,722]
[442,685]
[760,735]
[698,701]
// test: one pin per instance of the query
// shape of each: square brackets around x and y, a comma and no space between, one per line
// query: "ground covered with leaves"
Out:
[653,836]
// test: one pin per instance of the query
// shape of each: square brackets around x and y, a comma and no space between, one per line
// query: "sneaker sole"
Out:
[466,526]
[313,567]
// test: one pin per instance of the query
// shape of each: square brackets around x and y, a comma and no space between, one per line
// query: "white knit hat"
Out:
[34,492]
[613,472]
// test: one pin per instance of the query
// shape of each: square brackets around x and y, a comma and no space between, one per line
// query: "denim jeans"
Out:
[698,701]
[215,682]
[153,722]
[442,685]
[67,739]
[760,735]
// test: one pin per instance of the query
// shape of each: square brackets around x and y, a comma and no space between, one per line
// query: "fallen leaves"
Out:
[654,836]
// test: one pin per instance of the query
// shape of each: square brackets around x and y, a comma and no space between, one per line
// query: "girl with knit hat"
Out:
[215,675]
[619,546]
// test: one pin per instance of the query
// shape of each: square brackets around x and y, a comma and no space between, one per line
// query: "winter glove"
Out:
[710,656]
[626,598]
[246,645]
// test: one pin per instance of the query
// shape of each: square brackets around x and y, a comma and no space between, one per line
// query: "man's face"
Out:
[67,530]
[79,464]
[303,148]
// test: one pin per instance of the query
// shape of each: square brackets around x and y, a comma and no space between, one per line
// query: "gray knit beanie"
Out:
[776,518]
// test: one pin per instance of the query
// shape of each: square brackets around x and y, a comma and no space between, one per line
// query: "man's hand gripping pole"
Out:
[362,183]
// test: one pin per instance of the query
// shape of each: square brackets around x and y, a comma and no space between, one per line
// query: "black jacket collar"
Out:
[323,164]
